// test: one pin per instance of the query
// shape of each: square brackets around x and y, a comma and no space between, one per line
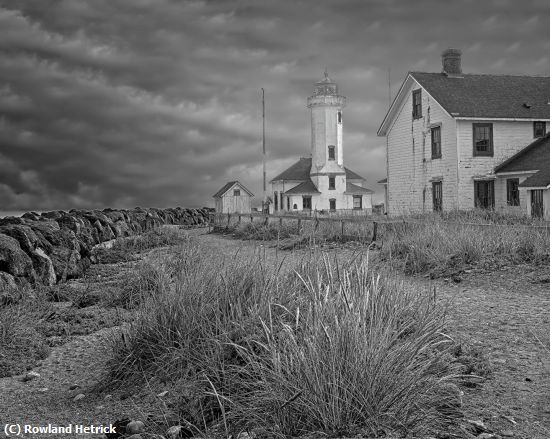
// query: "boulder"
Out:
[13,259]
[43,266]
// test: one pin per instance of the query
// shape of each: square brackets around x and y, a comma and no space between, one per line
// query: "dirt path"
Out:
[506,313]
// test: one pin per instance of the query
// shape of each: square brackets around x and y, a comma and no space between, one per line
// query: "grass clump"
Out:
[22,344]
[440,247]
[319,346]
[159,237]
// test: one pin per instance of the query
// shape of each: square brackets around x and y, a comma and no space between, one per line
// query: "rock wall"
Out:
[55,246]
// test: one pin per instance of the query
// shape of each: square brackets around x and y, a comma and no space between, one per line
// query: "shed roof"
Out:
[227,186]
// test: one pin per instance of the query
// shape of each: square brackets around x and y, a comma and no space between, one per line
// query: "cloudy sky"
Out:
[123,103]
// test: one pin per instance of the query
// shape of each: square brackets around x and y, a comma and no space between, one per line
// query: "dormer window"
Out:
[339,117]
[331,152]
[539,129]
[417,103]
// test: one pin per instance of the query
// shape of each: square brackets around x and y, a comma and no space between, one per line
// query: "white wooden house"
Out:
[233,197]
[461,141]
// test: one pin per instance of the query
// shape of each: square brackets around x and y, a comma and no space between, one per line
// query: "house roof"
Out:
[227,186]
[306,187]
[489,96]
[479,96]
[357,190]
[540,179]
[533,157]
[299,171]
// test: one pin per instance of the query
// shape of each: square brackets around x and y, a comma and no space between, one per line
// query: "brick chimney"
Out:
[451,62]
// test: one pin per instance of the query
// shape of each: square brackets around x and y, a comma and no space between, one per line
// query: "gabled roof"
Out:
[478,96]
[489,96]
[299,171]
[307,187]
[353,189]
[533,157]
[228,186]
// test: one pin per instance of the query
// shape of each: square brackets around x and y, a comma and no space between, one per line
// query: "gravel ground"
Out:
[505,313]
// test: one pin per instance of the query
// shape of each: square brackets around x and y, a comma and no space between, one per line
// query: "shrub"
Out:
[317,346]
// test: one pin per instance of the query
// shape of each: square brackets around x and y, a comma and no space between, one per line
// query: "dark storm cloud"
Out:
[157,102]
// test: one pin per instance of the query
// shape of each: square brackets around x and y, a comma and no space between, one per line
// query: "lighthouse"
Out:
[327,149]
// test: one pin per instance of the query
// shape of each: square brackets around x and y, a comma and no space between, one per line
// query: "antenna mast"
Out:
[389,88]
[264,203]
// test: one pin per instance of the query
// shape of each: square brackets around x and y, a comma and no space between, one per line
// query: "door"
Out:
[306,202]
[484,193]
[437,195]
[537,203]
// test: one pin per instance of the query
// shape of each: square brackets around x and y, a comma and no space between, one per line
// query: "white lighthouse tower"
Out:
[321,182]
[327,154]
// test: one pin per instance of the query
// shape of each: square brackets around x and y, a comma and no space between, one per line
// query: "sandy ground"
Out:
[506,313]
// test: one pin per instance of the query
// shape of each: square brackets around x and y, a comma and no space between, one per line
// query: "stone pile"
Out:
[54,246]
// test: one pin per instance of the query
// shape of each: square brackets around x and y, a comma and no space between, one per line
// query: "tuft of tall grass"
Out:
[438,245]
[162,236]
[317,346]
[21,342]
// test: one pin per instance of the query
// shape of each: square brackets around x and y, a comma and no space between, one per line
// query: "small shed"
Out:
[233,197]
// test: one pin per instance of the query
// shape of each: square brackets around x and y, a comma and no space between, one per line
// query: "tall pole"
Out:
[389,87]
[264,204]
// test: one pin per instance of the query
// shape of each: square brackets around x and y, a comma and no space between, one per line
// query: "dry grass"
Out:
[324,346]
[21,342]
[438,246]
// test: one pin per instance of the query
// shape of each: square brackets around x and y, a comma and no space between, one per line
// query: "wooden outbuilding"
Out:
[233,197]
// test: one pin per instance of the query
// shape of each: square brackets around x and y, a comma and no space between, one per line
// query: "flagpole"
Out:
[264,204]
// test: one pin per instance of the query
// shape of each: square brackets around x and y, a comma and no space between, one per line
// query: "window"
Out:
[417,103]
[332,203]
[331,152]
[332,183]
[281,203]
[483,139]
[236,192]
[512,191]
[484,194]
[288,203]
[357,202]
[437,195]
[339,117]
[306,202]
[539,129]
[276,199]
[436,142]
